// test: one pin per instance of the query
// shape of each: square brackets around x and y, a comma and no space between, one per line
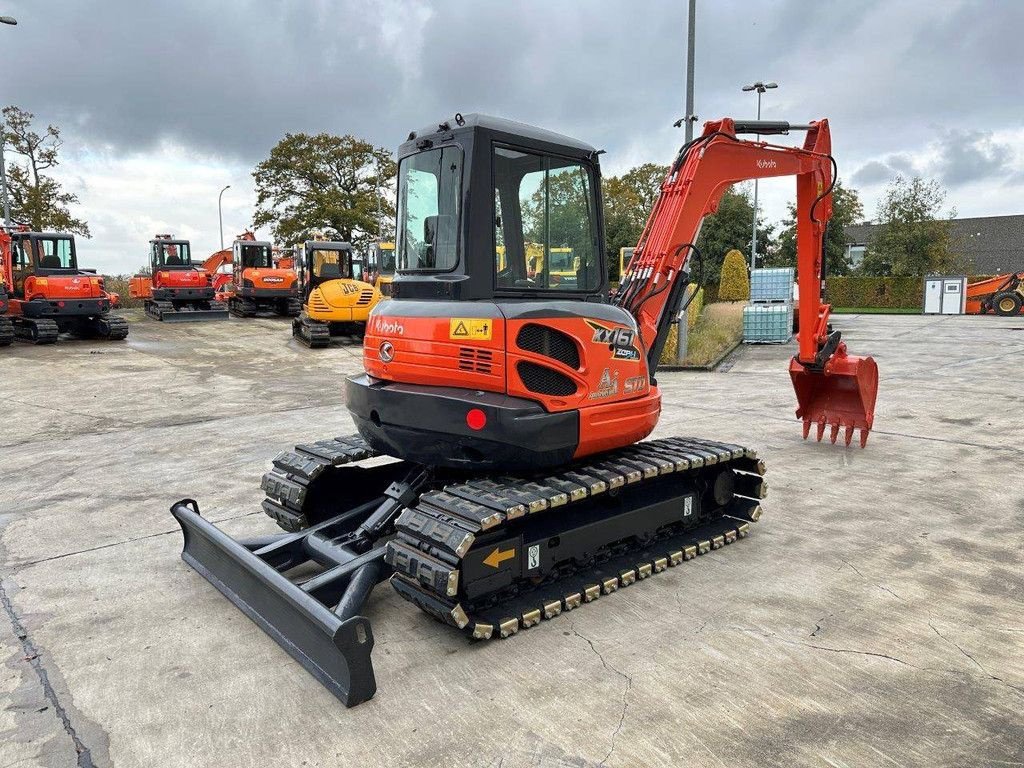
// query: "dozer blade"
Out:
[840,396]
[334,648]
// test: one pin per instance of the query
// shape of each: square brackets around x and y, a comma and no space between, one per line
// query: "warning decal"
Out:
[462,328]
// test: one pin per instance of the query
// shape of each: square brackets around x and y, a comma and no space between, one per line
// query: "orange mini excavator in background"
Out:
[49,293]
[6,326]
[503,408]
[257,284]
[175,290]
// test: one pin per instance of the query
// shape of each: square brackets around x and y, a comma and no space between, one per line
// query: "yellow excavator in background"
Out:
[337,293]
[382,266]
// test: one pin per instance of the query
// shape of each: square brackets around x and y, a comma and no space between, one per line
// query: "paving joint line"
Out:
[34,658]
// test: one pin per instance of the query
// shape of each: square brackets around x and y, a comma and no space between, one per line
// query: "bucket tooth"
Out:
[835,433]
[863,437]
[849,434]
[807,428]
[821,429]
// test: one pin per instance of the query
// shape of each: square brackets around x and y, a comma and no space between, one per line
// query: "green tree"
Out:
[734,284]
[628,200]
[339,185]
[36,198]
[729,229]
[914,238]
[846,210]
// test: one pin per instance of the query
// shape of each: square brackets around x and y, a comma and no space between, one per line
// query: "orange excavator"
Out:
[1002,294]
[500,474]
[6,326]
[175,290]
[257,283]
[49,293]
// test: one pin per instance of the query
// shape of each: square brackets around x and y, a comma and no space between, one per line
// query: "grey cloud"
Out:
[971,155]
[871,173]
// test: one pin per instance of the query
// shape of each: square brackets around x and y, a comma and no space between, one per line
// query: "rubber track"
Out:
[434,535]
[243,307]
[6,331]
[41,331]
[312,333]
[287,484]
[114,327]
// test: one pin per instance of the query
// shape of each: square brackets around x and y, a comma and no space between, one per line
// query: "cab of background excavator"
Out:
[170,254]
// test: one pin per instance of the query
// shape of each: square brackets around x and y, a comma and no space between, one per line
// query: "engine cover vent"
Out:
[544,380]
[475,360]
[550,343]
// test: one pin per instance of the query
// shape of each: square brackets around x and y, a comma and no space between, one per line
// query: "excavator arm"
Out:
[833,388]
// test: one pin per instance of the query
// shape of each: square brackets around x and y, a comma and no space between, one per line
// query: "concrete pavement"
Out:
[875,616]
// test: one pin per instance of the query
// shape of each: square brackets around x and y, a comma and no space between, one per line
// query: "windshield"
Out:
[55,252]
[172,254]
[329,264]
[429,192]
[545,223]
[256,257]
[386,255]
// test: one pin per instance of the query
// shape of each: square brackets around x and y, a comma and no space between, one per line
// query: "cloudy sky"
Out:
[163,103]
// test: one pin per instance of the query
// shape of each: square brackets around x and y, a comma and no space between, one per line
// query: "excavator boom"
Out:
[833,388]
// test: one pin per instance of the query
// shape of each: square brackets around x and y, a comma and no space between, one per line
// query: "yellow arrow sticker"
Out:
[462,328]
[499,556]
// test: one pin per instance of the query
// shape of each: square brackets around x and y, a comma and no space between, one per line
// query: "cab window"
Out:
[545,223]
[429,195]
[55,253]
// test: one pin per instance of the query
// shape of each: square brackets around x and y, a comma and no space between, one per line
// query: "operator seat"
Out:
[50,262]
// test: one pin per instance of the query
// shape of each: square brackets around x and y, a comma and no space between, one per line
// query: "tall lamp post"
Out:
[3,164]
[760,88]
[220,214]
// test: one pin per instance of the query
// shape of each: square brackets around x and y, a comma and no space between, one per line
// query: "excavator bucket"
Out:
[840,396]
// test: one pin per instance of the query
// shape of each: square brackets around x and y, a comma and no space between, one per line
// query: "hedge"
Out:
[877,292]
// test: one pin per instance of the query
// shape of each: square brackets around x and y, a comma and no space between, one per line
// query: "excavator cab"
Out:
[170,254]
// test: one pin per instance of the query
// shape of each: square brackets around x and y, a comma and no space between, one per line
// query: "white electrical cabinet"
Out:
[945,295]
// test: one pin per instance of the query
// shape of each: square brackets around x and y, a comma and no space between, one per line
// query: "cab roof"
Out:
[502,128]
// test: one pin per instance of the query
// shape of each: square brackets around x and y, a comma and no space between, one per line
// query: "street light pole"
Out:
[689,119]
[220,214]
[760,88]
[10,20]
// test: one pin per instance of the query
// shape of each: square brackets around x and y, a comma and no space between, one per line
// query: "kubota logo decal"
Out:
[765,164]
[384,325]
[273,279]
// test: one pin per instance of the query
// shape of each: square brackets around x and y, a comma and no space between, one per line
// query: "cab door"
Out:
[22,265]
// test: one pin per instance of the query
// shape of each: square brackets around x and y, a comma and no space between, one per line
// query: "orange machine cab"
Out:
[492,353]
[46,281]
